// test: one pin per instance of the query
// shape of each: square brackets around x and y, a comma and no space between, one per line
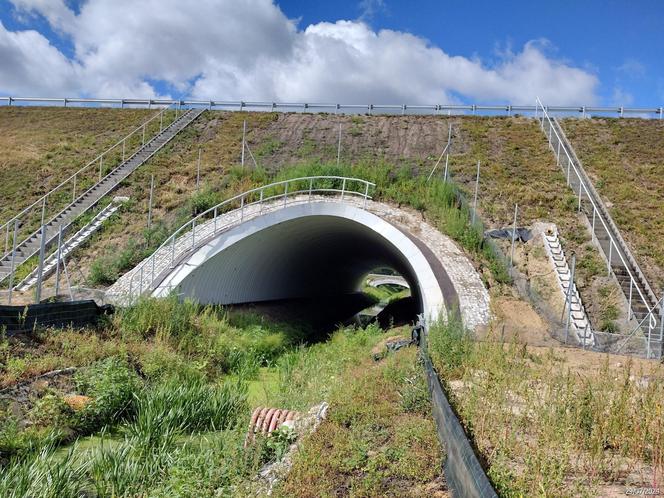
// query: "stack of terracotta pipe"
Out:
[266,420]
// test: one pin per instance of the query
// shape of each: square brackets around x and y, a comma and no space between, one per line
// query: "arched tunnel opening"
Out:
[309,269]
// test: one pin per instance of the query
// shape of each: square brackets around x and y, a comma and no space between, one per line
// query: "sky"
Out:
[567,52]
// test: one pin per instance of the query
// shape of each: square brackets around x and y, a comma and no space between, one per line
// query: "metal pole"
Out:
[40,269]
[150,201]
[339,146]
[629,305]
[198,170]
[516,208]
[57,263]
[477,184]
[244,134]
[43,209]
[11,269]
[608,261]
[73,193]
[7,238]
[569,297]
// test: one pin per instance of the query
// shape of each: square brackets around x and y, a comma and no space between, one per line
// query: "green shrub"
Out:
[449,346]
[102,272]
[112,385]
[164,318]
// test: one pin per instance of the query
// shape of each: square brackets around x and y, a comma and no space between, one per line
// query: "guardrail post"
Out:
[11,268]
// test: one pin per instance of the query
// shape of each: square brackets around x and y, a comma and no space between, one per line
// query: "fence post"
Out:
[570,286]
[40,268]
[11,268]
[150,201]
[244,134]
[198,170]
[339,146]
[57,262]
[516,208]
[477,184]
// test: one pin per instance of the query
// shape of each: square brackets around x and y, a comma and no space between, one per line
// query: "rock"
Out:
[77,401]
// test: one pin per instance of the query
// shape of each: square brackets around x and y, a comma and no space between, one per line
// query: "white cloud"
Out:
[250,50]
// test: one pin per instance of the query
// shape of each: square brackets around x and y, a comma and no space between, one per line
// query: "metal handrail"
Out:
[217,211]
[622,243]
[42,200]
[274,106]
[582,183]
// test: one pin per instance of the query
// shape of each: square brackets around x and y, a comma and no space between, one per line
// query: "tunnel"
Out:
[319,252]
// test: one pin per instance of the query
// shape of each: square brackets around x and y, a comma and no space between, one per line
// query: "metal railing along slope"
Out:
[640,297]
[21,249]
[238,105]
[149,273]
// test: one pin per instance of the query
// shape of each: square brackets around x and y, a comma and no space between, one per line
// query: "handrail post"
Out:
[143,134]
[193,233]
[593,226]
[260,201]
[161,120]
[285,192]
[11,268]
[172,251]
[123,148]
[580,185]
[343,189]
[366,195]
[73,194]
[57,263]
[43,215]
[6,239]
[629,305]
[101,163]
[311,187]
[242,208]
[215,220]
[40,267]
[608,264]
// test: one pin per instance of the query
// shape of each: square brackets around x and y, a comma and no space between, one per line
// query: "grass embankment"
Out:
[41,147]
[166,391]
[549,427]
[624,159]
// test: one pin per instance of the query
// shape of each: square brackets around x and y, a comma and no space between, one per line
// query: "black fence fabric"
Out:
[15,319]
[463,471]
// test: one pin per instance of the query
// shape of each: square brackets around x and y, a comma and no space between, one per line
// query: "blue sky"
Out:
[604,51]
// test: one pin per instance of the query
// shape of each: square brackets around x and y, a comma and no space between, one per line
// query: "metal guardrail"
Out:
[239,105]
[557,145]
[72,180]
[220,218]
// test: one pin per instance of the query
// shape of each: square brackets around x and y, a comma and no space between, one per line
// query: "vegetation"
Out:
[165,389]
[547,428]
[624,158]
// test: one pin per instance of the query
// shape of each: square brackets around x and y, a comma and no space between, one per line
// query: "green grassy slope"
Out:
[625,159]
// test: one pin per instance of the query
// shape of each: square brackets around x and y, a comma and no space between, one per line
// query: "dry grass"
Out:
[624,158]
[40,147]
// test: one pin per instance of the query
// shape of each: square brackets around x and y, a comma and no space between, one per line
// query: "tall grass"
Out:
[545,430]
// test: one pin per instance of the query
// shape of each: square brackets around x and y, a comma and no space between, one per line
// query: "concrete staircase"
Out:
[30,246]
[619,258]
[579,323]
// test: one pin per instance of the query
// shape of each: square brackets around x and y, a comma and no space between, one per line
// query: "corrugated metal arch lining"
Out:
[304,257]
